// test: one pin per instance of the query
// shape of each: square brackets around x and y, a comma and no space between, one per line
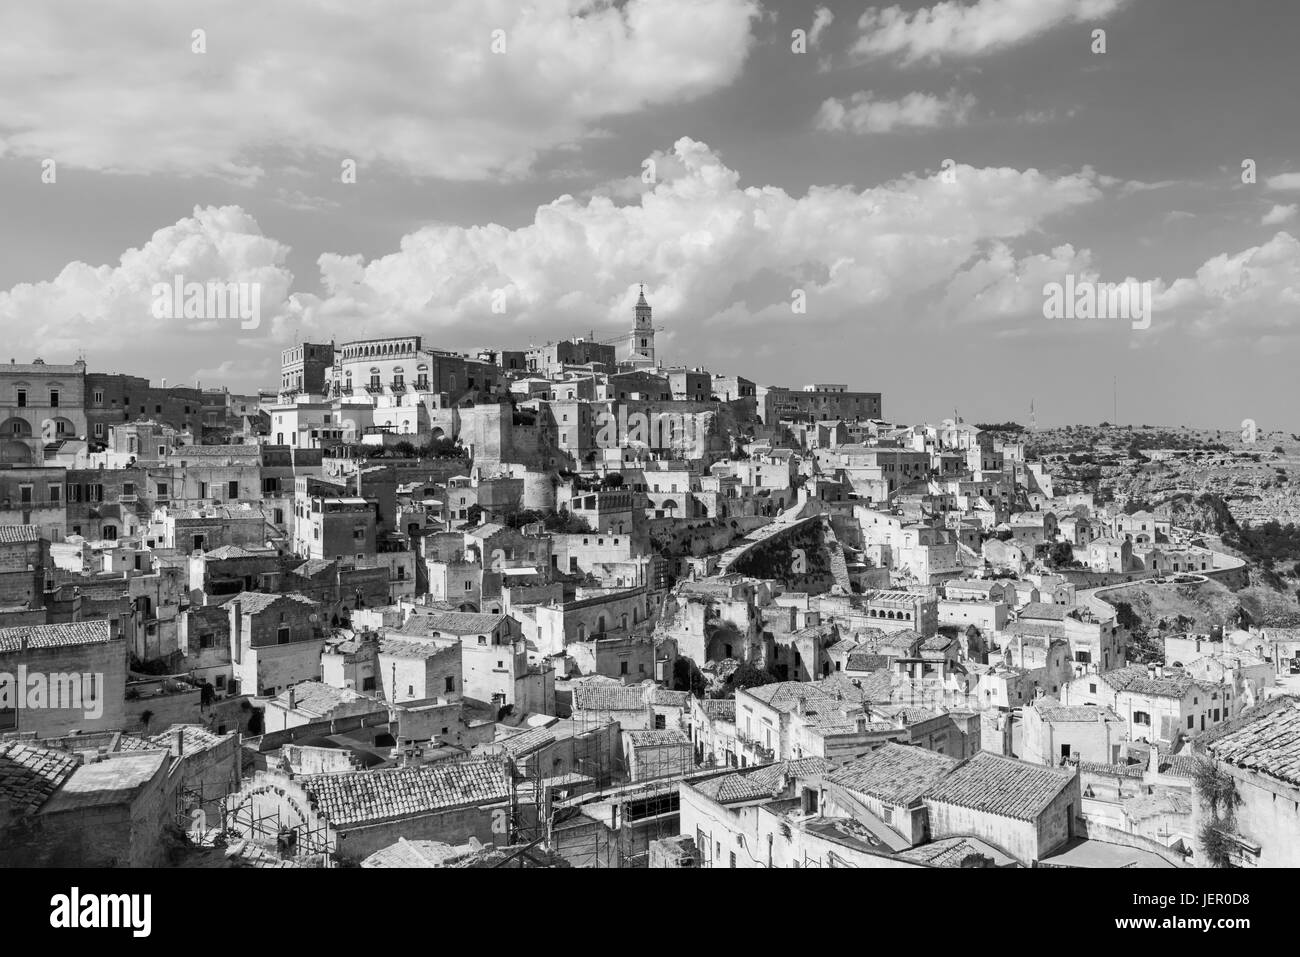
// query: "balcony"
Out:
[753,744]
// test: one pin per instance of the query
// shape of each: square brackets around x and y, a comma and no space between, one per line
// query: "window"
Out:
[1191,722]
[54,398]
[22,398]
[450,683]
[207,640]
[622,667]
[1141,717]
[283,635]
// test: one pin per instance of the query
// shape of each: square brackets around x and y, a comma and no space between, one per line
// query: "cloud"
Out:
[1252,293]
[955,29]
[718,258]
[1284,181]
[822,19]
[864,114]
[419,89]
[1279,215]
[107,310]
[710,251]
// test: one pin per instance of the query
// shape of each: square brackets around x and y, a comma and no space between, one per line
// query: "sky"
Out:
[878,199]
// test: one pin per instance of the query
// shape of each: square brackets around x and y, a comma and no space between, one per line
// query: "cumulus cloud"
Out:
[1252,293]
[863,113]
[1280,215]
[109,308]
[956,29]
[718,257]
[117,87]
[710,250]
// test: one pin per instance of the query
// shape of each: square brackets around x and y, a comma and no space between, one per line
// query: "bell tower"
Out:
[642,338]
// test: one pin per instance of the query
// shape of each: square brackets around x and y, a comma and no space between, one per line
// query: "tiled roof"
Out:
[229,551]
[763,783]
[406,854]
[866,661]
[1134,771]
[30,774]
[899,639]
[457,622]
[607,696]
[194,739]
[774,775]
[1004,786]
[719,709]
[786,695]
[1088,713]
[658,738]
[526,742]
[949,852]
[937,643]
[730,788]
[312,568]
[670,699]
[359,797]
[1179,765]
[895,773]
[1136,680]
[18,534]
[1268,745]
[398,647]
[876,686]
[255,602]
[316,697]
[54,636]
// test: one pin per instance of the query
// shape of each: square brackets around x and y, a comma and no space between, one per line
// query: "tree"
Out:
[747,676]
[1062,553]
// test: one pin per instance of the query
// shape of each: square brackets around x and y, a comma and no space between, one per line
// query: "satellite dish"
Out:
[314,618]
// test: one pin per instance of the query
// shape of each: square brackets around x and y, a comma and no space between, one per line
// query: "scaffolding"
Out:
[213,815]
[614,824]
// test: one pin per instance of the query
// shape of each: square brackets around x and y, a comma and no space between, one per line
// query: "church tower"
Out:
[641,341]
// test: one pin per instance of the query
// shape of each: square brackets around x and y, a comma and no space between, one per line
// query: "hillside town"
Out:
[571,606]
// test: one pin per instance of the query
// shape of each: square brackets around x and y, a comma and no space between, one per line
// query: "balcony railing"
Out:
[753,744]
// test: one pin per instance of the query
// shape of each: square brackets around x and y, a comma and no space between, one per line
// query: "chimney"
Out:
[293,697]
[178,742]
